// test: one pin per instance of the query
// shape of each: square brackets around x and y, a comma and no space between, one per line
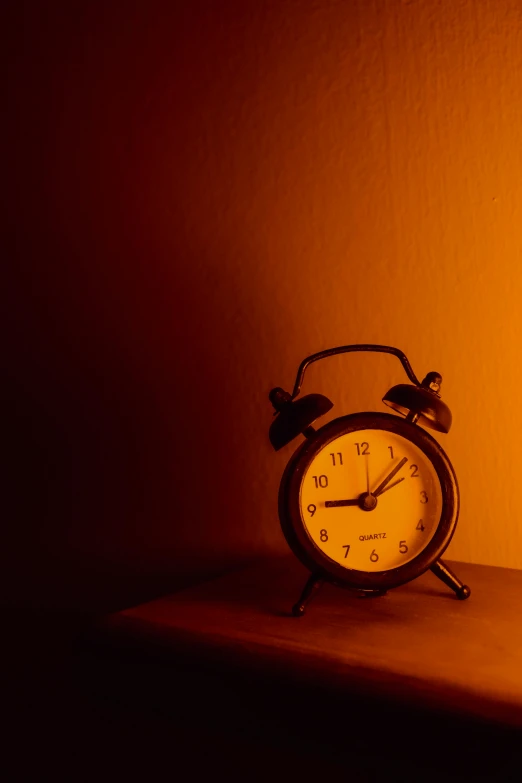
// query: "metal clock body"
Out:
[370,500]
[335,517]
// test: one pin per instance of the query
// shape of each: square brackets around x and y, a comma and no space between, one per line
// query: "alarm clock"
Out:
[369,501]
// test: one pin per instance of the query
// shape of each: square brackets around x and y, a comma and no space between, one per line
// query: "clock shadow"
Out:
[332,600]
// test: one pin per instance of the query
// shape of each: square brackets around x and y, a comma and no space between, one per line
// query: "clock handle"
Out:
[418,402]
[349,349]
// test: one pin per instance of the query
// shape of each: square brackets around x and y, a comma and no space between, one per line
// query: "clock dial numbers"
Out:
[321,481]
[370,500]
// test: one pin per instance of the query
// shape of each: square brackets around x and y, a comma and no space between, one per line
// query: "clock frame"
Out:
[294,527]
[421,405]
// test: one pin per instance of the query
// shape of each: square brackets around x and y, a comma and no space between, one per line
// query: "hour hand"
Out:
[380,489]
[390,486]
[337,503]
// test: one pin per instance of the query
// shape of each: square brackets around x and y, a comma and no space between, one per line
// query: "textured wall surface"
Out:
[202,194]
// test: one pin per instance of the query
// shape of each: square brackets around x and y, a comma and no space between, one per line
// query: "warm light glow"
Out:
[202,193]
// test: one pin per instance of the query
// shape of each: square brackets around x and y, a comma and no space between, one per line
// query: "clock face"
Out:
[370,500]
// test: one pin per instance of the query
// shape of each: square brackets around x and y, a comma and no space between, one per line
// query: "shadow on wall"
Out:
[131,351]
[130,475]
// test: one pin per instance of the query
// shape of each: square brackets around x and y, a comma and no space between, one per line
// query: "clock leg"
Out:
[310,589]
[440,569]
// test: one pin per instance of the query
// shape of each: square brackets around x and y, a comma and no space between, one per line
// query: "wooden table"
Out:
[416,667]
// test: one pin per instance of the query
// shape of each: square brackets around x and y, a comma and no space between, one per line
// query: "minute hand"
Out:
[388,478]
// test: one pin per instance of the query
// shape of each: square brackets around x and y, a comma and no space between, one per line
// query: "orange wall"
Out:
[203,193]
